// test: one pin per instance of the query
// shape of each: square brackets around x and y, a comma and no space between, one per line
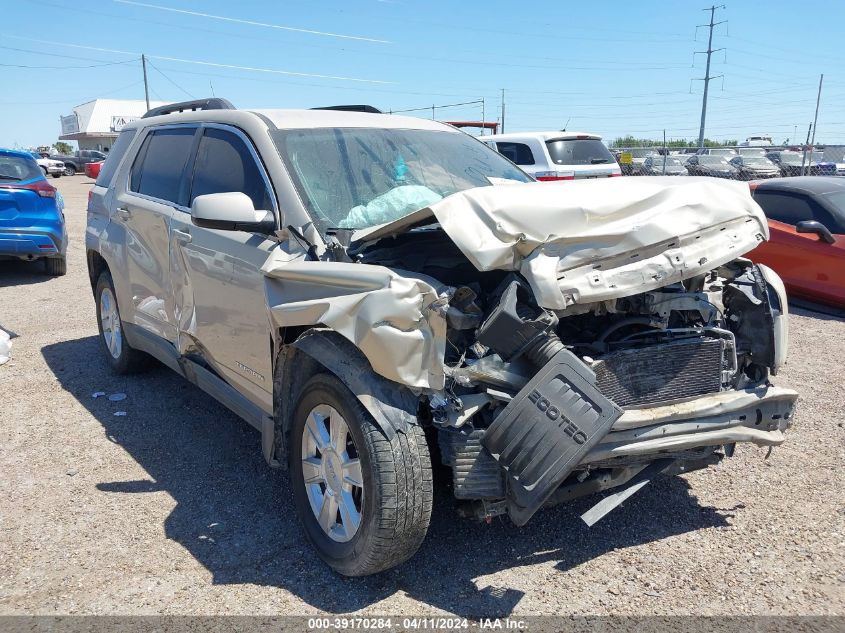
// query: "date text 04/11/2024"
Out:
[413,624]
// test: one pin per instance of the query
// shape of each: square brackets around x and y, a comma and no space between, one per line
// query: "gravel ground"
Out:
[171,509]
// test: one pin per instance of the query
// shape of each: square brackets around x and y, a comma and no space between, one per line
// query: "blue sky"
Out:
[606,67]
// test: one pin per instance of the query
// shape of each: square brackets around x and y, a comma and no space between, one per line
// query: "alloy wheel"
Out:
[110,321]
[331,470]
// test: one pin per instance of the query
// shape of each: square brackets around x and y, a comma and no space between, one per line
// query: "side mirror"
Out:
[811,226]
[231,211]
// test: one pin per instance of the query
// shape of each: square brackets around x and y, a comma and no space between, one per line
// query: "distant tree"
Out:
[62,147]
[630,141]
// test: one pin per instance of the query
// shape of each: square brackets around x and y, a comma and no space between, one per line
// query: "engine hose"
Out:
[542,347]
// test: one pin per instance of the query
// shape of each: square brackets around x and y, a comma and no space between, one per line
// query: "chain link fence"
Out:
[736,162]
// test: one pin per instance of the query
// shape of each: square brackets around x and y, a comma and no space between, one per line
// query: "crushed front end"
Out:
[566,406]
[594,343]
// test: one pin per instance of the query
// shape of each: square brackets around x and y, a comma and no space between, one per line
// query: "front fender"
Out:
[392,405]
[395,318]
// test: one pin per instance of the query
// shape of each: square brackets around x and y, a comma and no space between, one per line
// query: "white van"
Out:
[557,155]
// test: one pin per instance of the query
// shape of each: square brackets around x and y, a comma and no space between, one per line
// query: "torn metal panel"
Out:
[759,416]
[396,319]
[590,241]
[724,403]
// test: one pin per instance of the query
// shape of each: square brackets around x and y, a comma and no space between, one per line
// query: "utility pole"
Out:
[816,118]
[146,87]
[707,76]
[806,144]
[502,130]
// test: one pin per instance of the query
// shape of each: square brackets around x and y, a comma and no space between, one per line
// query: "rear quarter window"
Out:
[518,153]
[124,140]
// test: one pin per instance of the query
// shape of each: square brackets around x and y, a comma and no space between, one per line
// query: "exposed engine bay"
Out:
[532,392]
[562,341]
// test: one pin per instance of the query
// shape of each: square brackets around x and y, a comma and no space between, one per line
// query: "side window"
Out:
[518,153]
[158,168]
[786,208]
[124,140]
[224,163]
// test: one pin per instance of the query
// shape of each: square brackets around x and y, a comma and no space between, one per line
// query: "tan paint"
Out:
[577,242]
[393,318]
[589,241]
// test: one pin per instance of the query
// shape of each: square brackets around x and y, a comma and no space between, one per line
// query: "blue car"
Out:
[32,222]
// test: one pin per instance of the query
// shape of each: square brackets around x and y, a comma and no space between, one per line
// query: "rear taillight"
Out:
[549,176]
[41,187]
[613,175]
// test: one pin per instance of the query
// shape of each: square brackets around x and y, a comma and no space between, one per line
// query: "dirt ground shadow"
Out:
[15,272]
[235,516]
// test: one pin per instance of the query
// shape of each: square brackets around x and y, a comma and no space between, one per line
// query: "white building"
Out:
[95,125]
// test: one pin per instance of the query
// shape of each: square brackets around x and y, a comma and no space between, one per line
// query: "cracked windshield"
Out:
[353,178]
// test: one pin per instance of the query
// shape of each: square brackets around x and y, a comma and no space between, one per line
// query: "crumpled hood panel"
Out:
[588,241]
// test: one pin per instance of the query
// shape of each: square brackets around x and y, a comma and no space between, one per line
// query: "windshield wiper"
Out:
[14,178]
[598,161]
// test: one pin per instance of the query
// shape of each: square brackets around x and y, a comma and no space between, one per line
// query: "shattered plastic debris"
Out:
[98,394]
[117,397]
[5,345]
[120,413]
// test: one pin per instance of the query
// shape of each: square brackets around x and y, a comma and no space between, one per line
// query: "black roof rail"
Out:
[352,108]
[213,103]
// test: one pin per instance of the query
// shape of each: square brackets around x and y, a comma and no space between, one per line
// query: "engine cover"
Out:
[546,430]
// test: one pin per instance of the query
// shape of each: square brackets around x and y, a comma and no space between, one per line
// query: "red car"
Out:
[807,226]
[92,170]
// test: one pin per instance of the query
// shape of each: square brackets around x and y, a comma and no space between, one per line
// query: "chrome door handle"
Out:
[183,237]
[124,213]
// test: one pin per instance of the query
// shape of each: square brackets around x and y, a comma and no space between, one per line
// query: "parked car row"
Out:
[75,163]
[743,163]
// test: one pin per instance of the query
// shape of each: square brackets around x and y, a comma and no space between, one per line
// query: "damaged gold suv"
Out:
[369,291]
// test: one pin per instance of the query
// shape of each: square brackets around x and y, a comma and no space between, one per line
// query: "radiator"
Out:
[475,474]
[657,373]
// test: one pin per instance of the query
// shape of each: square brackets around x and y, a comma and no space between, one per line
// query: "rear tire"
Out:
[70,170]
[55,266]
[368,527]
[123,358]
[57,175]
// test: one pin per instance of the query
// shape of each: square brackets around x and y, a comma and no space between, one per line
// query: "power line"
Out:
[433,107]
[427,58]
[89,59]
[155,68]
[202,62]
[79,100]
[252,22]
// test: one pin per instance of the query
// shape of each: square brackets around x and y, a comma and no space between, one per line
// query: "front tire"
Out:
[123,358]
[70,170]
[364,500]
